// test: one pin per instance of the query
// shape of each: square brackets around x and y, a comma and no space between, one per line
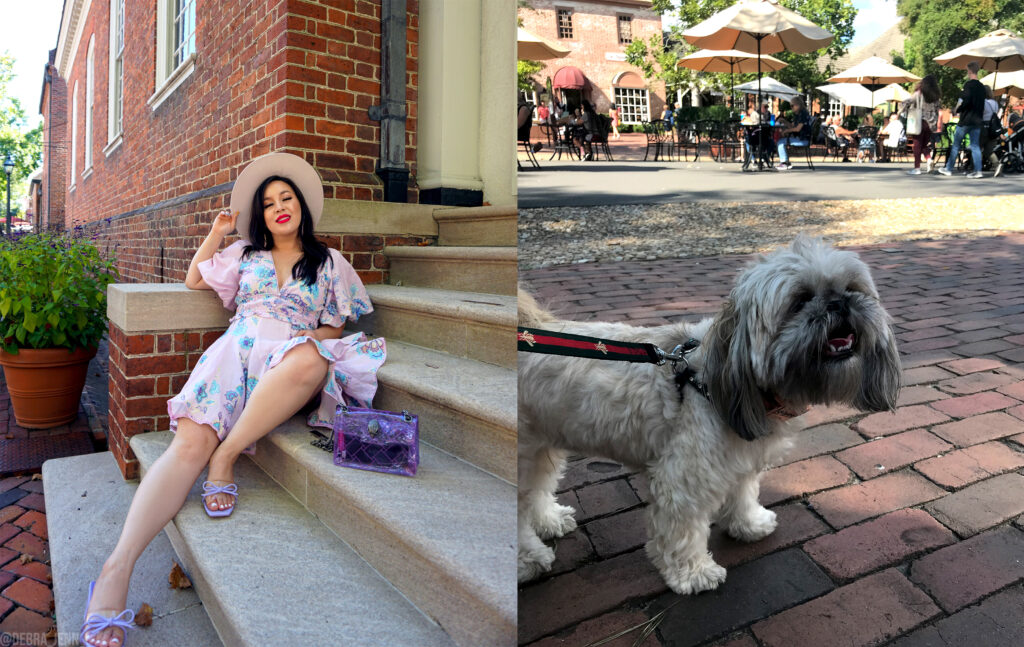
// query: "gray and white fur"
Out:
[802,326]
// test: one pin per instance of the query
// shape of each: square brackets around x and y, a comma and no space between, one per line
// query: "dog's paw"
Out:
[755,527]
[555,521]
[534,562]
[705,576]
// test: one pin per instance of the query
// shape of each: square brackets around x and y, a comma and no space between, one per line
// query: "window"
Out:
[632,104]
[90,76]
[565,23]
[835,107]
[625,30]
[115,91]
[74,134]
[175,46]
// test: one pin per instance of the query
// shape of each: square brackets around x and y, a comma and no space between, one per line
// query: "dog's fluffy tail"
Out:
[530,312]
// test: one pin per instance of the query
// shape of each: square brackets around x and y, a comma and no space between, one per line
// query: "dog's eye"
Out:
[801,300]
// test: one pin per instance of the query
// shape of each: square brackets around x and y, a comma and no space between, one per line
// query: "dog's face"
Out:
[802,326]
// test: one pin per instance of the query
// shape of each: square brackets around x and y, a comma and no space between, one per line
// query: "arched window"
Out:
[631,98]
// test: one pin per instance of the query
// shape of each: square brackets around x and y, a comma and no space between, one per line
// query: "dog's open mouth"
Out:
[840,343]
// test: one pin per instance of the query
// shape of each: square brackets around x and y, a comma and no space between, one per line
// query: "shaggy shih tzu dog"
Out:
[802,326]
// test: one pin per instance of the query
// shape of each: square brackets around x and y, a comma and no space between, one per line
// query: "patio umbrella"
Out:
[998,50]
[730,60]
[1011,83]
[770,87]
[874,70]
[761,27]
[530,47]
[851,94]
[891,92]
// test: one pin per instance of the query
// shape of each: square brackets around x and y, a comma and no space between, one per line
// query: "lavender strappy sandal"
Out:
[211,489]
[95,623]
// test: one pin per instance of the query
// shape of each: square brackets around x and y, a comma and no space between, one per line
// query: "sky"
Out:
[28,31]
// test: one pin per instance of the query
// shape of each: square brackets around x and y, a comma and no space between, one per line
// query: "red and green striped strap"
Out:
[532,340]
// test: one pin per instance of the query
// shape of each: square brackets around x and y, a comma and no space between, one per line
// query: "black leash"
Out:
[533,340]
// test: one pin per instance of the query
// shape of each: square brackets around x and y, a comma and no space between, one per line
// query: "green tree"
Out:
[834,15]
[16,139]
[934,27]
[524,73]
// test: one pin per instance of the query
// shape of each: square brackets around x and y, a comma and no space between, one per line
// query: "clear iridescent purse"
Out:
[376,440]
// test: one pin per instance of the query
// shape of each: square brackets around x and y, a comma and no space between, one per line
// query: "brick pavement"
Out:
[903,529]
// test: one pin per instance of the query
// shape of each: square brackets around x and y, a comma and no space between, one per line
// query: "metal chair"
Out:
[656,137]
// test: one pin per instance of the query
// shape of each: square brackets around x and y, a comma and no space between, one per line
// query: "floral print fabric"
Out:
[268,322]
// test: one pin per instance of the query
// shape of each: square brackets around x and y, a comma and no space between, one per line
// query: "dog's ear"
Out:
[729,375]
[880,379]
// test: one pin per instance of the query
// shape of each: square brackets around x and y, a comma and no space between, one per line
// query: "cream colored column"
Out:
[466,117]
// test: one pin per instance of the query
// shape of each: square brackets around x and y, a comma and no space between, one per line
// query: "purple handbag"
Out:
[371,439]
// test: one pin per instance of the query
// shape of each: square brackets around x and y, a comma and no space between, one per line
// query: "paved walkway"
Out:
[901,530]
[628,180]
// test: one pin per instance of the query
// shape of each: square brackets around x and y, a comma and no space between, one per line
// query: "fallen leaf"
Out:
[144,616]
[178,579]
[25,559]
[9,436]
[51,634]
[38,476]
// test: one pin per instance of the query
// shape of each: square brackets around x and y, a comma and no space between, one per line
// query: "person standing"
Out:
[614,114]
[925,100]
[970,107]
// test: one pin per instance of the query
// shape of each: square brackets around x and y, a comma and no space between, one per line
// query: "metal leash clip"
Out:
[678,353]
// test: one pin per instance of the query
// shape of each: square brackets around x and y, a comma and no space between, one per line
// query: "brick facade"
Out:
[595,48]
[270,75]
[53,106]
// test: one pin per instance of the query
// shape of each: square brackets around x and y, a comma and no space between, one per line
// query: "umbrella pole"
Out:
[760,151]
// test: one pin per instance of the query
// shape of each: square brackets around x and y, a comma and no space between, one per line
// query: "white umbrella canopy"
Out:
[874,70]
[1011,83]
[891,92]
[759,26]
[530,47]
[1000,50]
[730,60]
[851,94]
[769,86]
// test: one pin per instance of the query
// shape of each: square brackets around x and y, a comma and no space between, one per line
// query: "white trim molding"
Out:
[71,27]
[172,82]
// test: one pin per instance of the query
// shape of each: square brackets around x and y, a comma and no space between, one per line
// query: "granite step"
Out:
[446,537]
[466,408]
[465,324]
[473,226]
[492,270]
[272,574]
[86,501]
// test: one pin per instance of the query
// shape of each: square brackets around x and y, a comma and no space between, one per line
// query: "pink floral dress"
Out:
[266,325]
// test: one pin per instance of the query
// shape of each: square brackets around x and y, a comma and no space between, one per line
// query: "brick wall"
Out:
[595,38]
[270,75]
[53,107]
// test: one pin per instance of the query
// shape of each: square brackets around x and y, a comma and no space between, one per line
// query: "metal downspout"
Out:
[391,112]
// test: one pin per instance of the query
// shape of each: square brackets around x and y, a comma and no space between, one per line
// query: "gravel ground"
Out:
[558,236]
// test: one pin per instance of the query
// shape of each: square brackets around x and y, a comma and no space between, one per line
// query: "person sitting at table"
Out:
[866,146]
[893,130]
[750,119]
[844,136]
[796,134]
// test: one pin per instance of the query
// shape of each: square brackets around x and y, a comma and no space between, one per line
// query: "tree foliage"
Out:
[934,27]
[16,139]
[834,15]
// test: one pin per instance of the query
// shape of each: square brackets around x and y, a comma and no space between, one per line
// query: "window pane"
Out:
[625,30]
[632,105]
[565,23]
[184,30]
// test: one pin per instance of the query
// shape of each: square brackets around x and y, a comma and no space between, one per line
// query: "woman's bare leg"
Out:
[280,392]
[160,495]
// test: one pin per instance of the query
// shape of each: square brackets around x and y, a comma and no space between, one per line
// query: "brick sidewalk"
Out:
[900,529]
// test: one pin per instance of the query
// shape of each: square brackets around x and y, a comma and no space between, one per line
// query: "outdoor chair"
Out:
[599,139]
[730,143]
[657,137]
[524,141]
[562,137]
[804,144]
[686,139]
[834,145]
[705,139]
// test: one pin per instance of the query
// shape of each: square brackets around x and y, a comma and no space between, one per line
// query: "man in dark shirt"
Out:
[970,107]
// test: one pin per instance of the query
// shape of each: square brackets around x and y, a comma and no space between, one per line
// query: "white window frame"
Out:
[90,85]
[115,86]
[169,76]
[619,103]
[74,136]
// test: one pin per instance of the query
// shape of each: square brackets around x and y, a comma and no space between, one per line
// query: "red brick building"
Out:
[52,187]
[169,100]
[597,32]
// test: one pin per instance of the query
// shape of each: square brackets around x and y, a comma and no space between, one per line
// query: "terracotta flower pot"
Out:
[46,384]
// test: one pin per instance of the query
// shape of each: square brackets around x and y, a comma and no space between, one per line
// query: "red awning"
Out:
[570,78]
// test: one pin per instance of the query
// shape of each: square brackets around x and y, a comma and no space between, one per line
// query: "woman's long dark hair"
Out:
[929,88]
[314,253]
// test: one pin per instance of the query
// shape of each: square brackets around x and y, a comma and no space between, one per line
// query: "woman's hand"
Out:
[224,223]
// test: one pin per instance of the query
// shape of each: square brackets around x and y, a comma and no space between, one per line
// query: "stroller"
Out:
[1010,151]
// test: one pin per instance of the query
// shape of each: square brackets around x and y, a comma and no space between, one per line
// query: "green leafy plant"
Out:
[53,291]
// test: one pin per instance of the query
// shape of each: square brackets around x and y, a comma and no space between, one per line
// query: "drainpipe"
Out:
[391,112]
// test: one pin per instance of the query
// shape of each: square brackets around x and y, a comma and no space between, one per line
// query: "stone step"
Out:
[465,408]
[272,574]
[470,269]
[466,324]
[472,226]
[86,501]
[446,537]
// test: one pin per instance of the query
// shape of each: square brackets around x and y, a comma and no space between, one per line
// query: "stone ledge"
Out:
[164,307]
[379,218]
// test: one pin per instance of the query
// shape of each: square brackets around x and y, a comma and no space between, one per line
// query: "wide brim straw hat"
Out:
[293,167]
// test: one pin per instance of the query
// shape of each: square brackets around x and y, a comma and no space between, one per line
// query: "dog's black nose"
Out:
[835,305]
